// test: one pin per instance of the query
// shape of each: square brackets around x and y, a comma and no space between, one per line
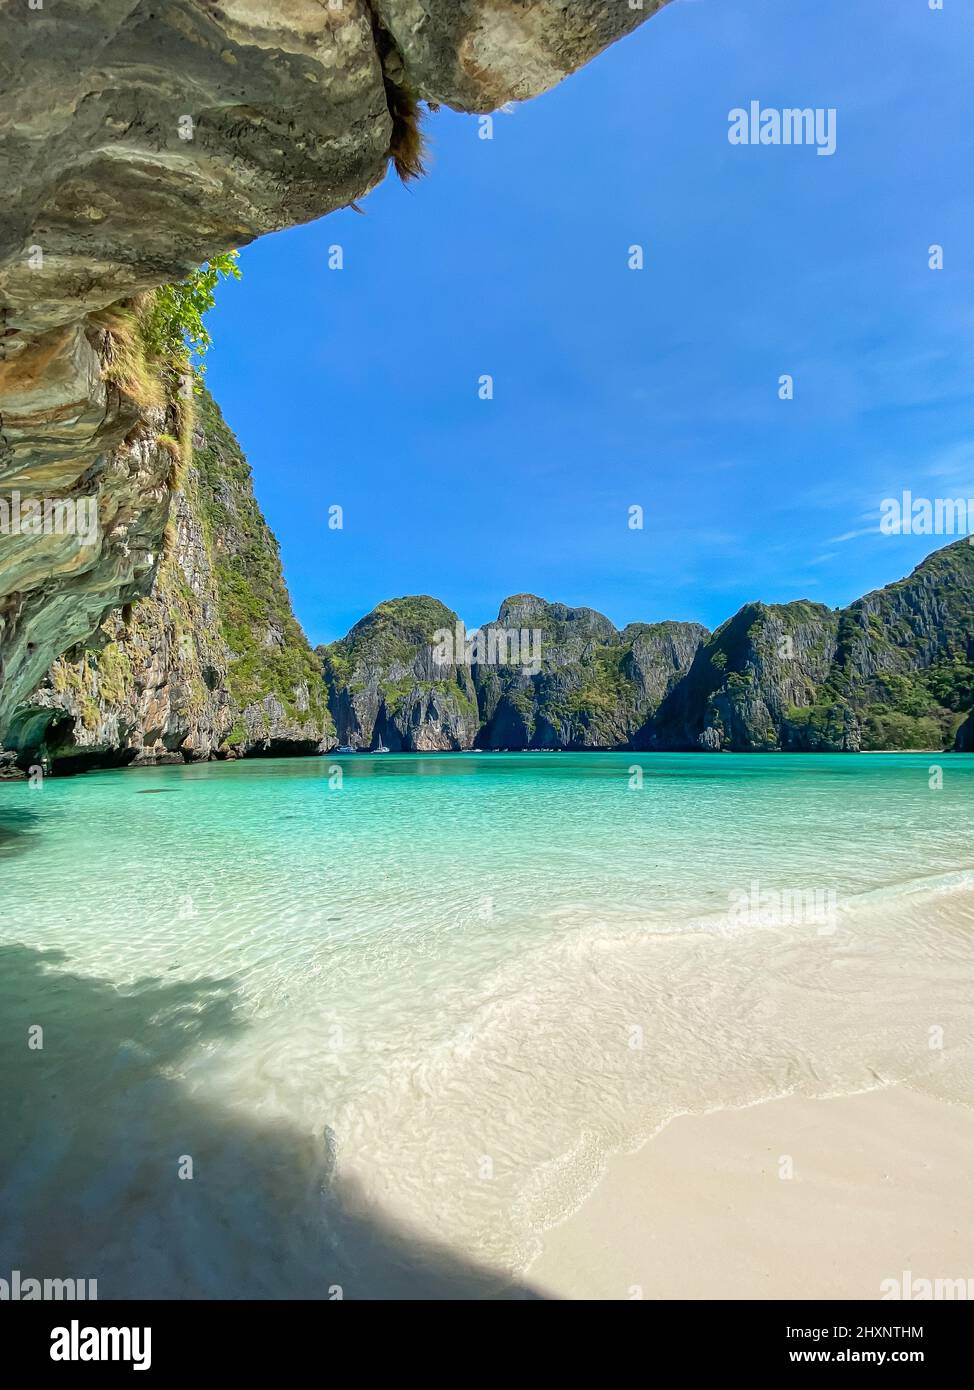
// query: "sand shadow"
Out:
[92,1130]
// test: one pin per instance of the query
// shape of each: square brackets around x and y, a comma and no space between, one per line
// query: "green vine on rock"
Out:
[173,327]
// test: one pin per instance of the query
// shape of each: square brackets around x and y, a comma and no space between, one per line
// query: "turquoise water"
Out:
[399,1023]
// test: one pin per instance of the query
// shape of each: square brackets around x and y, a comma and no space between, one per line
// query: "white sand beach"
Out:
[882,1183]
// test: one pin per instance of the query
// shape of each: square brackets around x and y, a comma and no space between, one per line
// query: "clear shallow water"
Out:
[399,1024]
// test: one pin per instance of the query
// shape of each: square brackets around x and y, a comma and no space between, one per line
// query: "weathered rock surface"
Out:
[542,676]
[595,686]
[70,433]
[476,55]
[140,139]
[386,685]
[144,138]
[760,663]
[212,663]
[893,670]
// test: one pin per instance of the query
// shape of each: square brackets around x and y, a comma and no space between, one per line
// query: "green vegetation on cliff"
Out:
[904,655]
[893,670]
[212,661]
[390,634]
[172,320]
[386,684]
[594,687]
[270,656]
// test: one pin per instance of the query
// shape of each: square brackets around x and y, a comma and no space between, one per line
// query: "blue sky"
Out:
[615,387]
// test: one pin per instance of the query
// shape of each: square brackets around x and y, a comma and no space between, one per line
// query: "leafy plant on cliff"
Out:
[151,343]
[172,323]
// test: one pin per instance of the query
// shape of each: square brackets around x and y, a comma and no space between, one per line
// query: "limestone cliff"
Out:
[594,687]
[562,677]
[893,670]
[139,140]
[212,663]
[387,685]
[760,663]
[74,428]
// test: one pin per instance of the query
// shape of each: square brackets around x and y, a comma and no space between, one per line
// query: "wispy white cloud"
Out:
[954,462]
[852,535]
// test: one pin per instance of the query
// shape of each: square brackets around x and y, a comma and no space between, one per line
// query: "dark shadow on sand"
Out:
[92,1129]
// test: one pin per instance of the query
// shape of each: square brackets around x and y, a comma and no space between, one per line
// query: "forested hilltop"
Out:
[894,670]
[214,664]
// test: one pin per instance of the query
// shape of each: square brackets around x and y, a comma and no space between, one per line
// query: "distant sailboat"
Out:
[381,748]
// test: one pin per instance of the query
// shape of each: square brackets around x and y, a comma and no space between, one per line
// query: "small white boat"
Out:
[381,749]
[346,748]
